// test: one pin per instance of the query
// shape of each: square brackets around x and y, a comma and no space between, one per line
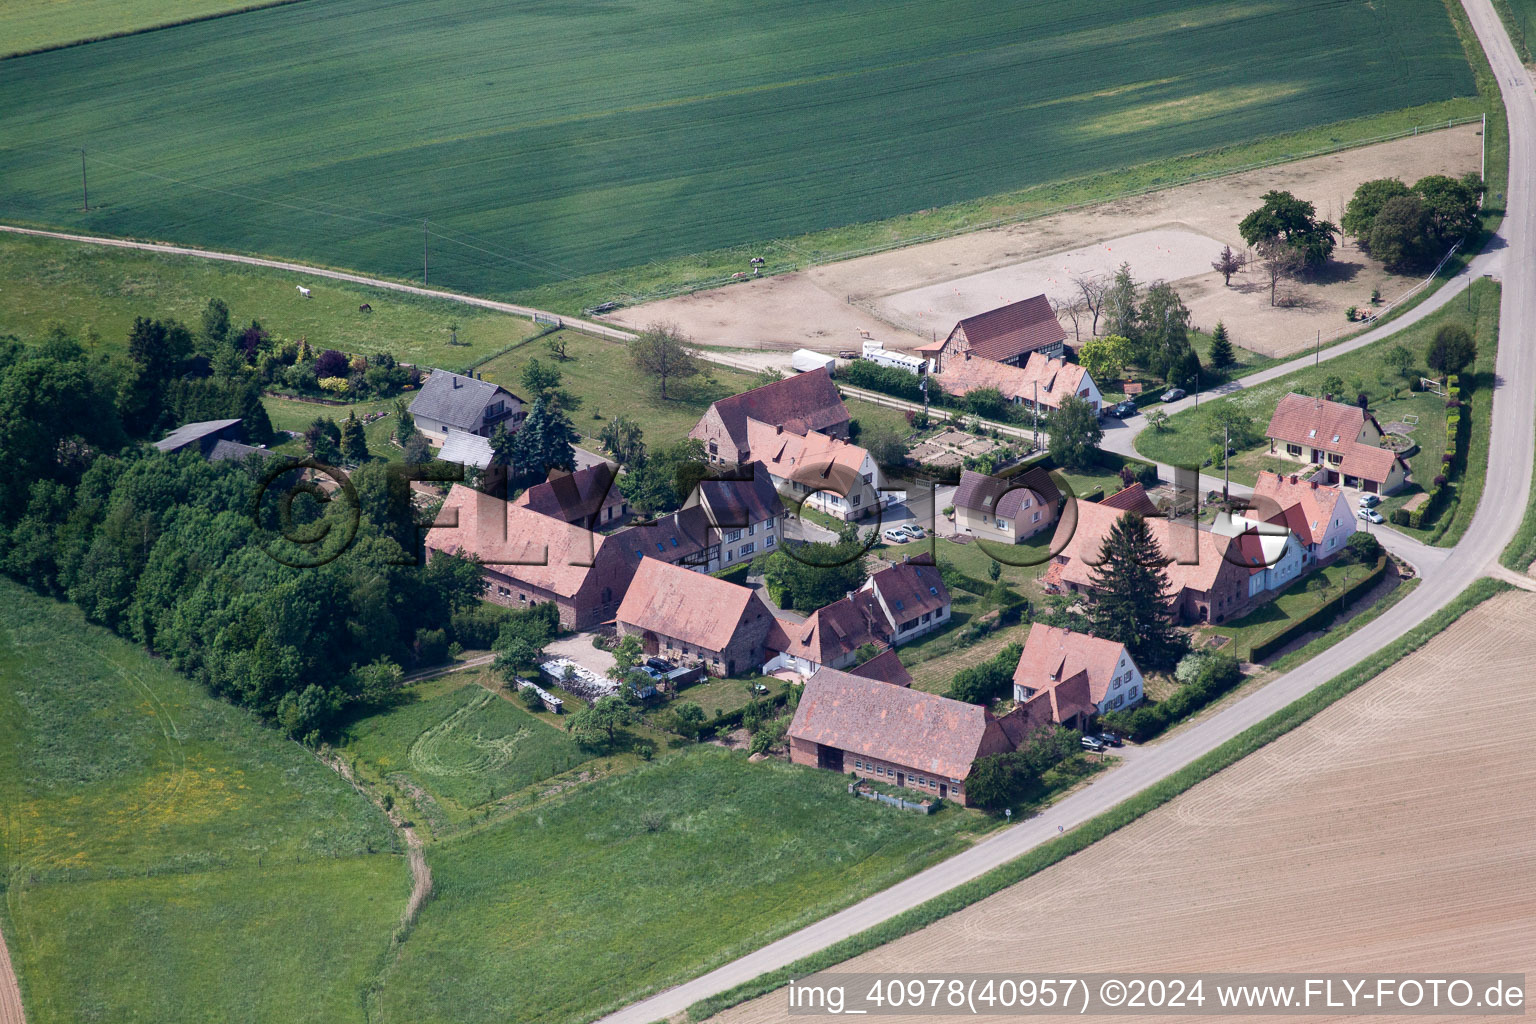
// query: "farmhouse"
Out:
[799,404]
[530,558]
[895,605]
[1319,516]
[589,497]
[1005,510]
[1343,439]
[684,538]
[745,514]
[899,736]
[1008,334]
[1041,378]
[696,619]
[201,436]
[1101,669]
[1204,586]
[829,474]
[452,401]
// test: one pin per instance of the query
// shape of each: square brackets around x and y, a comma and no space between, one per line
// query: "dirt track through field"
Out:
[1393,832]
[10,992]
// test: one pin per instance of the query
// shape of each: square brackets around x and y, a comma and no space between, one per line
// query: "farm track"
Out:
[10,993]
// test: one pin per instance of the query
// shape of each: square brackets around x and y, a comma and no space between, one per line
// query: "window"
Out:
[729,554]
[879,769]
[934,591]
[1118,702]
[859,765]
[898,604]
[674,542]
[1293,449]
[1312,432]
[857,499]
[869,478]
[1036,518]
[1027,502]
[751,529]
[1002,524]
[1132,694]
[747,549]
[927,616]
[714,449]
[732,535]
[522,598]
[639,553]
[768,543]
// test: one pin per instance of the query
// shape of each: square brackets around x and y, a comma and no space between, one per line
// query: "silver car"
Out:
[1370,515]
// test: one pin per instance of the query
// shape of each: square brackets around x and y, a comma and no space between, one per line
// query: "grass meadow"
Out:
[644,880]
[461,744]
[167,858]
[96,292]
[543,146]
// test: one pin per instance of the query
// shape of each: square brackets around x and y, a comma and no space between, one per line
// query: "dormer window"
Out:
[1312,432]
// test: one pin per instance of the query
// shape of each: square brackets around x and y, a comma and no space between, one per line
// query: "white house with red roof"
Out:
[827,473]
[1041,379]
[1053,657]
[1344,440]
[1317,514]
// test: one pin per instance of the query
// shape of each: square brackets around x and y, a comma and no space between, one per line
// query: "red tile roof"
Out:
[1056,378]
[801,403]
[886,667]
[577,497]
[1306,507]
[517,541]
[1004,496]
[1197,554]
[910,588]
[1052,654]
[1316,423]
[1132,499]
[832,631]
[1368,461]
[700,610]
[1013,329]
[1071,696]
[741,501]
[680,537]
[805,458]
[920,730]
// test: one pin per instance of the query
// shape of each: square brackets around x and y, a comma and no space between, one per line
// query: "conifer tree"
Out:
[1129,599]
[1221,347]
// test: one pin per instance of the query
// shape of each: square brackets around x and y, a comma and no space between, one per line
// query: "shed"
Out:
[804,360]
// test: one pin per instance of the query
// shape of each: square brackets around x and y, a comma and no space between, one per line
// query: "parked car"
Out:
[847,353]
[1370,515]
[650,671]
[660,664]
[1092,743]
[1111,739]
[894,536]
[1120,410]
[1370,500]
[913,530]
[759,688]
[1173,394]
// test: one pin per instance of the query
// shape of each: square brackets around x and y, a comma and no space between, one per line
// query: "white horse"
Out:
[302,290]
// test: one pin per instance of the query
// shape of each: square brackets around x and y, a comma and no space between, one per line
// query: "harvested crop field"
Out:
[544,143]
[906,296]
[1392,832]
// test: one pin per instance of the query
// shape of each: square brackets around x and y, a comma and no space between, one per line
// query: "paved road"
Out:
[1497,518]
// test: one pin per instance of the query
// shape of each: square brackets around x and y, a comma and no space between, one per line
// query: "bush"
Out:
[1416,518]
[1212,674]
[530,698]
[1364,546]
[431,646]
[1439,483]
[1399,517]
[988,681]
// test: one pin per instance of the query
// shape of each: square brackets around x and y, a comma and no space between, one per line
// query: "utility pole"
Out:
[423,250]
[1036,440]
[1197,390]
[84,192]
[1318,352]
[1226,469]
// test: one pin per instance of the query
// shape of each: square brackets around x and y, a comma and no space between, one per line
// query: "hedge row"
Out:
[1455,448]
[1216,677]
[1319,618]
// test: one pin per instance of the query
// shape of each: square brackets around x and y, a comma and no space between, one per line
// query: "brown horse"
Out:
[365,308]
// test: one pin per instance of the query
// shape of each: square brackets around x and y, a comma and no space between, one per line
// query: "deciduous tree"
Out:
[1075,434]
[661,351]
[1292,221]
[1452,349]
[1360,214]
[1228,263]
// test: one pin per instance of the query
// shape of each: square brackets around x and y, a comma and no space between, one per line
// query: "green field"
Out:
[95,290]
[27,25]
[462,745]
[165,858]
[547,144]
[641,881]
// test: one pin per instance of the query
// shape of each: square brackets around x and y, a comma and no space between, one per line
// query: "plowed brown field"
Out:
[1393,832]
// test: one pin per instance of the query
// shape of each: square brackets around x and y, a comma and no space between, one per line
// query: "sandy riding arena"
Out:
[1393,832]
[905,296]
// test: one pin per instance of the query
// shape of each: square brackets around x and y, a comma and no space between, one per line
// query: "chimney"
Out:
[456,383]
[1293,478]
[967,353]
[779,429]
[1313,483]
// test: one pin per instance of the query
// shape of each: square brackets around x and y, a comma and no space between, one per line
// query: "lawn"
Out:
[642,881]
[600,373]
[1296,601]
[101,290]
[1186,440]
[337,132]
[461,744]
[165,856]
[727,695]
